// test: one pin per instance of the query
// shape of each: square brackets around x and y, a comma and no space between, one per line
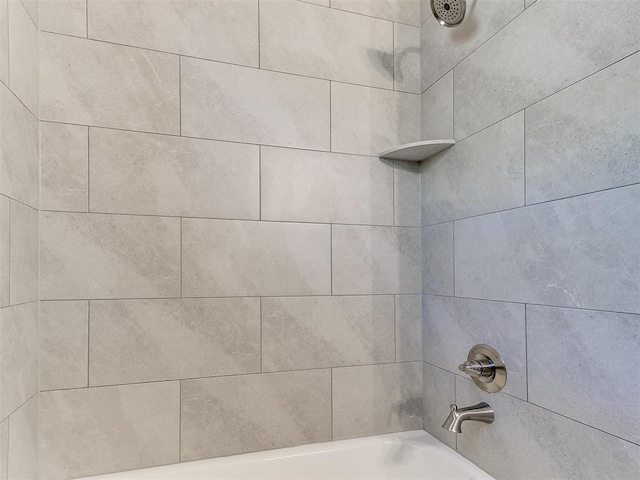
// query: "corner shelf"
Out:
[417,151]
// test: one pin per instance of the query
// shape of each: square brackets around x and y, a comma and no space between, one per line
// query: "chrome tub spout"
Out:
[481,412]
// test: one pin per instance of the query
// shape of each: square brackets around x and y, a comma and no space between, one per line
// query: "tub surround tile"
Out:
[375,260]
[138,173]
[437,259]
[5,250]
[4,449]
[550,253]
[300,185]
[305,39]
[406,194]
[437,109]
[236,258]
[108,429]
[584,139]
[227,102]
[402,11]
[23,254]
[224,416]
[31,7]
[23,56]
[215,29]
[608,344]
[151,340]
[23,442]
[107,85]
[438,392]
[408,313]
[108,256]
[68,17]
[376,399]
[406,68]
[318,332]
[4,42]
[366,121]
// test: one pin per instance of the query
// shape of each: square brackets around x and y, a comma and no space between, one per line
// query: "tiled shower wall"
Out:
[19,203]
[226,265]
[531,232]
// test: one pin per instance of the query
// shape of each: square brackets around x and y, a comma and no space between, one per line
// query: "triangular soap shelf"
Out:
[417,151]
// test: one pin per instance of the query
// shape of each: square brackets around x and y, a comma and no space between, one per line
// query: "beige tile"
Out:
[18,355]
[406,58]
[375,260]
[23,56]
[408,313]
[437,259]
[109,256]
[216,29]
[236,258]
[4,42]
[376,399]
[403,11]
[63,16]
[64,345]
[165,175]
[4,449]
[23,442]
[367,121]
[23,254]
[229,415]
[32,9]
[300,38]
[96,83]
[317,332]
[227,102]
[150,340]
[437,109]
[300,185]
[406,194]
[64,157]
[5,251]
[107,429]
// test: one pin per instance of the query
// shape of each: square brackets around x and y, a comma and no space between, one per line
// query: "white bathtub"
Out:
[407,455]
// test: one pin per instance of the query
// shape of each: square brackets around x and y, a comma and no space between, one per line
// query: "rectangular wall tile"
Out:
[375,260]
[64,157]
[64,345]
[584,139]
[5,250]
[437,259]
[437,109]
[403,11]
[406,194]
[318,332]
[366,121]
[235,258]
[23,254]
[406,58]
[297,37]
[482,174]
[164,175]
[215,29]
[109,256]
[522,63]
[300,185]
[438,392]
[18,355]
[63,16]
[107,85]
[150,340]
[227,102]
[23,56]
[23,442]
[376,399]
[4,449]
[551,253]
[32,9]
[543,442]
[108,429]
[4,41]
[225,416]
[451,326]
[408,328]
[608,343]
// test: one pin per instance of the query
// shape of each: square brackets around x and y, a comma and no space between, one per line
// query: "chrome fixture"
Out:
[486,368]
[449,13]
[480,412]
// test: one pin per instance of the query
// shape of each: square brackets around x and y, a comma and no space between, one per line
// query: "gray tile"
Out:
[437,259]
[108,256]
[406,58]
[406,194]
[482,174]
[4,43]
[102,84]
[64,345]
[150,340]
[437,109]
[300,185]
[64,170]
[227,102]
[5,250]
[164,175]
[236,258]
[108,429]
[403,11]
[18,355]
[23,56]
[551,253]
[366,121]
[584,138]
[318,332]
[228,415]
[522,63]
[438,392]
[63,16]
[215,29]
[23,442]
[23,270]
[605,342]
[451,326]
[375,260]
[376,399]
[4,449]
[537,444]
[408,328]
[297,37]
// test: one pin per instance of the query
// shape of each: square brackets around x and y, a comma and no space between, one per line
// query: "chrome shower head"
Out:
[449,13]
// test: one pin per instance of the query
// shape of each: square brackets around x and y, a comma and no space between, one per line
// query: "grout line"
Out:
[331,257]
[8,50]
[180,226]
[330,116]
[395,330]
[393,194]
[29,14]
[180,94]
[35,117]
[86,19]
[10,255]
[261,366]
[455,401]
[526,353]
[331,394]
[88,171]
[259,38]
[524,157]
[260,182]
[393,56]
[453,249]
[88,342]
[180,421]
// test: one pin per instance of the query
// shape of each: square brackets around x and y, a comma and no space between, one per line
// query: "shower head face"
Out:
[449,13]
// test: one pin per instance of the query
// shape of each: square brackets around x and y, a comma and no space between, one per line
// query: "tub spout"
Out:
[481,412]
